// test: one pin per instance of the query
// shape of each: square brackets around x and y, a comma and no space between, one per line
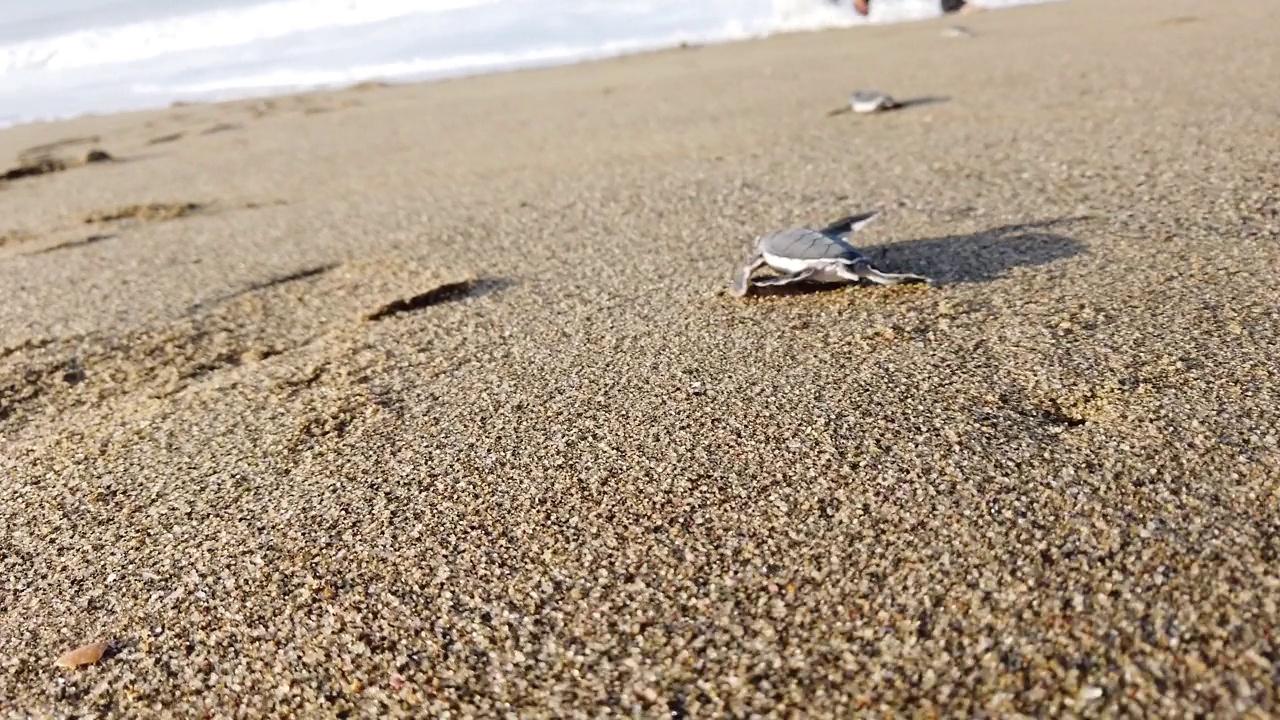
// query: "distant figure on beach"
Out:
[948,6]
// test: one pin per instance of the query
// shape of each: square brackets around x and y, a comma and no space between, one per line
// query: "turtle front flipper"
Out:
[863,270]
[742,279]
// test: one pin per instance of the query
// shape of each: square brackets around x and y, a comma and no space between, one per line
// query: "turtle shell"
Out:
[806,244]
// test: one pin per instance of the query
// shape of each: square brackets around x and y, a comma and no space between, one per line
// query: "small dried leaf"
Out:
[83,655]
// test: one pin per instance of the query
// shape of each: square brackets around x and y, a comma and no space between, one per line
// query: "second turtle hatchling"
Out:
[868,101]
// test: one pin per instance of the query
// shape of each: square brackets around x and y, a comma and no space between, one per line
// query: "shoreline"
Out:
[516,65]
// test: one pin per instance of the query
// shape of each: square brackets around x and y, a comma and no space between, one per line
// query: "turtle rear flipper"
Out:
[863,270]
[786,279]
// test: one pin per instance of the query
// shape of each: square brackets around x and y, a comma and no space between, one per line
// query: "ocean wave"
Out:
[470,63]
[211,30]
[296,45]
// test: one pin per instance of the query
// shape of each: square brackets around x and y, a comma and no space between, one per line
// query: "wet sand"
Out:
[424,398]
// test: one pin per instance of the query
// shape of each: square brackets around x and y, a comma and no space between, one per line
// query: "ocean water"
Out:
[62,58]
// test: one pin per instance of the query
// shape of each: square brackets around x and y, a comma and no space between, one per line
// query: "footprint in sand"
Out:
[146,213]
[171,137]
[447,292]
[31,165]
[72,244]
[14,237]
[49,148]
[221,127]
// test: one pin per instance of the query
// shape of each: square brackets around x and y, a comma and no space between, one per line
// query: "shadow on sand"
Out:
[980,257]
[917,102]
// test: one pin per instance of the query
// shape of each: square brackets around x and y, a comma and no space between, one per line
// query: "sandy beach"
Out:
[430,400]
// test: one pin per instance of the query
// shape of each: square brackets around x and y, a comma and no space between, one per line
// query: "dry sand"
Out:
[415,399]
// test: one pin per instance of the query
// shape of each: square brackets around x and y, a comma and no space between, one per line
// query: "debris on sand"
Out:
[83,655]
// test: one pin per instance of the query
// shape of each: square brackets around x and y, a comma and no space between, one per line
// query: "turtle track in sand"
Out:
[54,375]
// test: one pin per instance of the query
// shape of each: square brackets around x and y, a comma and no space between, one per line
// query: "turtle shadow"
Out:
[979,257]
[802,288]
[921,101]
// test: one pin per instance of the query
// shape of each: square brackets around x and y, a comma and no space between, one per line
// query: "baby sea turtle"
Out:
[816,256]
[868,101]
